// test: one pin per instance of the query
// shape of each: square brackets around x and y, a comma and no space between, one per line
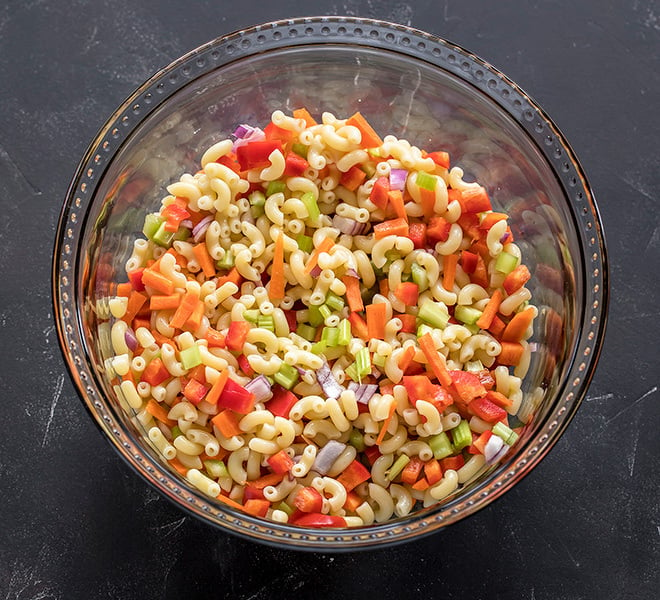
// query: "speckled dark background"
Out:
[76,523]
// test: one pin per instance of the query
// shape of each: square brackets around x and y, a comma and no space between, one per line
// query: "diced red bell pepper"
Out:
[280,462]
[308,500]
[353,475]
[417,233]
[252,492]
[379,192]
[353,501]
[412,470]
[352,178]
[236,335]
[155,372]
[475,200]
[486,410]
[195,391]
[282,402]
[244,365]
[420,387]
[440,158]
[294,165]
[214,338]
[469,222]
[432,471]
[257,507]
[371,452]
[482,440]
[255,155]
[516,279]
[486,378]
[438,230]
[291,320]
[408,323]
[489,219]
[275,132]
[235,397]
[135,277]
[452,462]
[469,261]
[467,385]
[480,274]
[174,213]
[229,161]
[407,292]
[317,520]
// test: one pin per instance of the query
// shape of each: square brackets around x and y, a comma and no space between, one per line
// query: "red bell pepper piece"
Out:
[469,222]
[195,391]
[438,230]
[282,402]
[308,500]
[516,279]
[353,475]
[480,274]
[155,372]
[482,440]
[467,385]
[408,323]
[352,178]
[255,155]
[244,365]
[294,165]
[490,219]
[417,233]
[486,378]
[407,292]
[475,200]
[236,335]
[486,410]
[452,462]
[257,507]
[135,277]
[420,387]
[214,338]
[371,452]
[291,320]
[317,520]
[235,397]
[469,261]
[412,470]
[174,213]
[440,158]
[379,192]
[275,132]
[252,492]
[229,161]
[280,462]
[432,471]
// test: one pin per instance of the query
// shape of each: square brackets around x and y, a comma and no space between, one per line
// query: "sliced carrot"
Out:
[158,302]
[421,484]
[370,139]
[511,353]
[265,480]
[497,327]
[449,271]
[406,357]
[518,325]
[324,246]
[188,303]
[353,178]
[194,321]
[256,507]
[277,280]
[135,302]
[427,198]
[229,502]
[498,398]
[436,361]
[490,310]
[432,471]
[412,470]
[124,289]
[397,226]
[384,287]
[395,198]
[157,281]
[376,320]
[227,422]
[158,412]
[514,280]
[178,466]
[216,389]
[204,259]
[358,326]
[353,294]
[303,113]
[386,423]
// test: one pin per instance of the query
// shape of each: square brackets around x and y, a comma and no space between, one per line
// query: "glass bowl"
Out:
[409,83]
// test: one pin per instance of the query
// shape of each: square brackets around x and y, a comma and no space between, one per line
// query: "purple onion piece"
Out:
[200,229]
[261,388]
[130,339]
[398,179]
[327,456]
[187,223]
[493,448]
[505,237]
[363,391]
[243,130]
[327,381]
[254,136]
[316,272]
[348,226]
[352,273]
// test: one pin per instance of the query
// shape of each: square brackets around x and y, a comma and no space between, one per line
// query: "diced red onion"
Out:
[348,226]
[253,136]
[327,381]
[200,229]
[398,179]
[363,391]
[352,273]
[130,339]
[316,271]
[242,131]
[493,448]
[327,456]
[187,223]
[261,388]
[505,237]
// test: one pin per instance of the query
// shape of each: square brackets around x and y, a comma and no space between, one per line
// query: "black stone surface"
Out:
[76,523]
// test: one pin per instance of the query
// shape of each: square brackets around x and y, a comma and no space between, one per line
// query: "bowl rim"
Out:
[368,33]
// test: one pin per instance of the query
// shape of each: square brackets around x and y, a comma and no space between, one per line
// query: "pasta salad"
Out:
[324,327]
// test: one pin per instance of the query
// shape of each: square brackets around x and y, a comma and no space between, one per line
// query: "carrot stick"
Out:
[436,361]
[124,289]
[178,466]
[406,358]
[135,302]
[370,139]
[164,302]
[490,310]
[353,295]
[376,317]
[324,246]
[303,113]
[227,423]
[392,227]
[396,200]
[195,319]
[185,309]
[386,424]
[277,281]
[384,287]
[157,281]
[216,389]
[204,259]
[269,479]
[518,325]
[449,271]
[421,484]
[497,327]
[358,326]
[229,502]
[511,353]
[158,412]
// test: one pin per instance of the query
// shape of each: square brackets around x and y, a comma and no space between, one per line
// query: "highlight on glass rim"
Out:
[322,326]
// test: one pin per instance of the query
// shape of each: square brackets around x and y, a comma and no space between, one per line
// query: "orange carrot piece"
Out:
[490,310]
[213,394]
[406,358]
[436,361]
[303,113]
[370,139]
[158,412]
[395,198]
[353,295]
[433,471]
[178,466]
[277,280]
[324,246]
[386,424]
[518,325]
[358,327]
[185,309]
[157,281]
[392,227]
[227,422]
[511,353]
[353,178]
[498,398]
[376,317]
[449,271]
[124,289]
[204,259]
[195,319]
[158,302]
[269,479]
[135,302]
[384,287]
[497,327]
[421,484]
[229,502]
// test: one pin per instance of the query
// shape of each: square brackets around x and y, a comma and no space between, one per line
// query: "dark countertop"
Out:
[77,523]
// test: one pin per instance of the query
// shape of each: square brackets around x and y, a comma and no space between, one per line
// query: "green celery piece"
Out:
[251,315]
[300,149]
[351,371]
[419,276]
[467,314]
[434,314]
[275,187]
[305,243]
[378,360]
[505,262]
[356,439]
[325,311]
[287,376]
[334,302]
[315,317]
[319,348]
[335,352]
[162,237]
[176,432]
[345,336]
[440,445]
[215,468]
[257,211]
[151,224]
[422,329]
[473,328]
[398,466]
[330,335]
[502,430]
[369,168]
[461,436]
[311,205]
[190,357]
[512,439]
[257,198]
[284,507]
[306,331]
[426,181]
[226,262]
[363,362]
[266,322]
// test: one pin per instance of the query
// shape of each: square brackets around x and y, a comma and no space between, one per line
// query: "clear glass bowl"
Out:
[409,83]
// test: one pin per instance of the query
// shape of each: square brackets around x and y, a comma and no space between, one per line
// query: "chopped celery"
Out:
[215,468]
[378,360]
[306,331]
[330,335]
[434,314]
[351,371]
[266,322]
[315,317]
[275,187]
[474,366]
[440,445]
[419,276]
[467,314]
[505,262]
[325,311]
[176,432]
[356,439]
[397,467]
[251,315]
[287,376]
[257,198]
[162,237]
[333,353]
[461,436]
[426,181]
[305,243]
[151,224]
[369,169]
[473,328]
[345,336]
[319,347]
[257,211]
[422,329]
[363,362]
[284,507]
[334,302]
[226,262]
[300,149]
[190,357]
[506,433]
[312,207]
